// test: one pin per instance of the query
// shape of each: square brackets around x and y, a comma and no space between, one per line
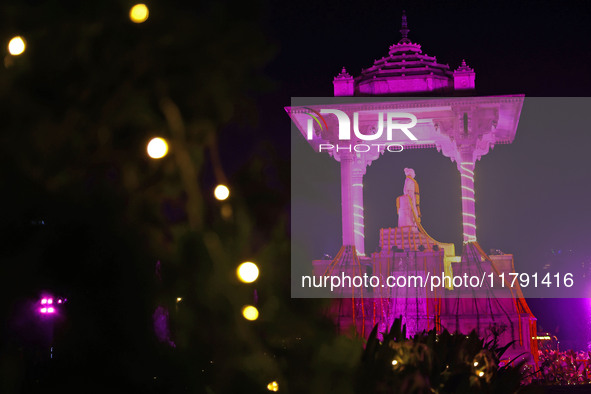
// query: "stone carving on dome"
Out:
[343,75]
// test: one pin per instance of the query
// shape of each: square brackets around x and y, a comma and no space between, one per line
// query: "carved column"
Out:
[466,167]
[358,211]
[346,159]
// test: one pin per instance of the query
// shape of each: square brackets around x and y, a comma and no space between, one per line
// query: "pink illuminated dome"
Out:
[405,70]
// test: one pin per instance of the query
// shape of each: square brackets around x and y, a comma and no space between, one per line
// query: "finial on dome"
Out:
[404,30]
[343,74]
[464,66]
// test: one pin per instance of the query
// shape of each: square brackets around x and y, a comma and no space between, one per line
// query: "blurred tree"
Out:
[87,214]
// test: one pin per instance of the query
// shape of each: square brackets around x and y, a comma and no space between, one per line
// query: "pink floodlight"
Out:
[47,307]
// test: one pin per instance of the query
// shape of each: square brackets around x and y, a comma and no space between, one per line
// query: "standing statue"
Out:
[408,205]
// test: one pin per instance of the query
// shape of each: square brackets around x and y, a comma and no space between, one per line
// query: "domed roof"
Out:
[406,69]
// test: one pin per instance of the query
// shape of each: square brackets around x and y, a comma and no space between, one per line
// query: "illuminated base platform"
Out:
[407,252]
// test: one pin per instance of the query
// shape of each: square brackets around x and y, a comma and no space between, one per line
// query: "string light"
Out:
[247,272]
[273,386]
[221,192]
[139,13]
[16,46]
[157,148]
[250,312]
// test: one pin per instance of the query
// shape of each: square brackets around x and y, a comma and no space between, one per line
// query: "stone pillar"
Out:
[466,167]
[358,214]
[347,198]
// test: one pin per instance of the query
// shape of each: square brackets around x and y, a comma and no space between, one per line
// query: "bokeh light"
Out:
[16,46]
[157,148]
[139,13]
[247,272]
[221,192]
[250,312]
[273,386]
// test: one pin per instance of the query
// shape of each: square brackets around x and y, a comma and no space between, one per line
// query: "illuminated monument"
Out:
[461,126]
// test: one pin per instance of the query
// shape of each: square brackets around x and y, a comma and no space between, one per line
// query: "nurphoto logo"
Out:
[394,121]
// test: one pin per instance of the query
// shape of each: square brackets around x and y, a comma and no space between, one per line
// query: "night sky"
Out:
[532,196]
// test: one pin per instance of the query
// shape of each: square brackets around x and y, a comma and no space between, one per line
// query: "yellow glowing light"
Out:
[475,363]
[221,192]
[179,299]
[481,374]
[247,272]
[250,312]
[273,386]
[16,46]
[157,148]
[394,362]
[139,13]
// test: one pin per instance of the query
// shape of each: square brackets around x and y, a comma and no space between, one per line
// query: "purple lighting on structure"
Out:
[162,326]
[468,201]
[45,308]
[49,310]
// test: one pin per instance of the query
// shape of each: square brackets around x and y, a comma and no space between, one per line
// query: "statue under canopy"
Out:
[408,205]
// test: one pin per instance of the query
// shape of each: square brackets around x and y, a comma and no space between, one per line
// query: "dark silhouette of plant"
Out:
[435,363]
